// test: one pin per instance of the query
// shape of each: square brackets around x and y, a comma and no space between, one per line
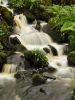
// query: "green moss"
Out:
[36,58]
[38,79]
[71,58]
[7,15]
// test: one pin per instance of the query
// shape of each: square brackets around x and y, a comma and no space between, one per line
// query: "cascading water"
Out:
[27,34]
[32,39]
[4,3]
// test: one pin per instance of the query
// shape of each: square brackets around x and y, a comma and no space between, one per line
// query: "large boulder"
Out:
[71,58]
[54,90]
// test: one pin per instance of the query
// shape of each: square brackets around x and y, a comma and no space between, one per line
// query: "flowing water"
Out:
[4,3]
[32,39]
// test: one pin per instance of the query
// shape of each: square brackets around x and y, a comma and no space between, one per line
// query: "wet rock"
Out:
[22,74]
[38,79]
[46,50]
[73,95]
[38,26]
[71,58]
[66,49]
[42,91]
[49,76]
[34,71]
[14,40]
[52,33]
[17,59]
[54,90]
[54,51]
[51,69]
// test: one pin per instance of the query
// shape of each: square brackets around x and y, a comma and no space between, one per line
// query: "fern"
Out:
[64,19]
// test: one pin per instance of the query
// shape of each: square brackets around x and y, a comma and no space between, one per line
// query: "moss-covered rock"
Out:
[71,58]
[4,34]
[7,15]
[38,79]
[36,58]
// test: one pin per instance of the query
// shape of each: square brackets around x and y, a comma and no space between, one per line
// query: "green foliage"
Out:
[3,31]
[7,16]
[35,4]
[20,3]
[38,79]
[36,58]
[23,3]
[63,18]
[71,58]
[4,35]
[68,26]
[61,14]
[29,3]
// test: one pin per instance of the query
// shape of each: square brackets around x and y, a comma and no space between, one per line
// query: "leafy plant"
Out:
[64,20]
[4,31]
[7,16]
[36,58]
[19,3]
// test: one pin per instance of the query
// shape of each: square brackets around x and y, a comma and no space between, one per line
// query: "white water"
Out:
[9,68]
[33,39]
[27,34]
[4,3]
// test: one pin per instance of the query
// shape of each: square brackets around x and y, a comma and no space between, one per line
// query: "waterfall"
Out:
[33,39]
[15,62]
[27,34]
[4,3]
[9,68]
